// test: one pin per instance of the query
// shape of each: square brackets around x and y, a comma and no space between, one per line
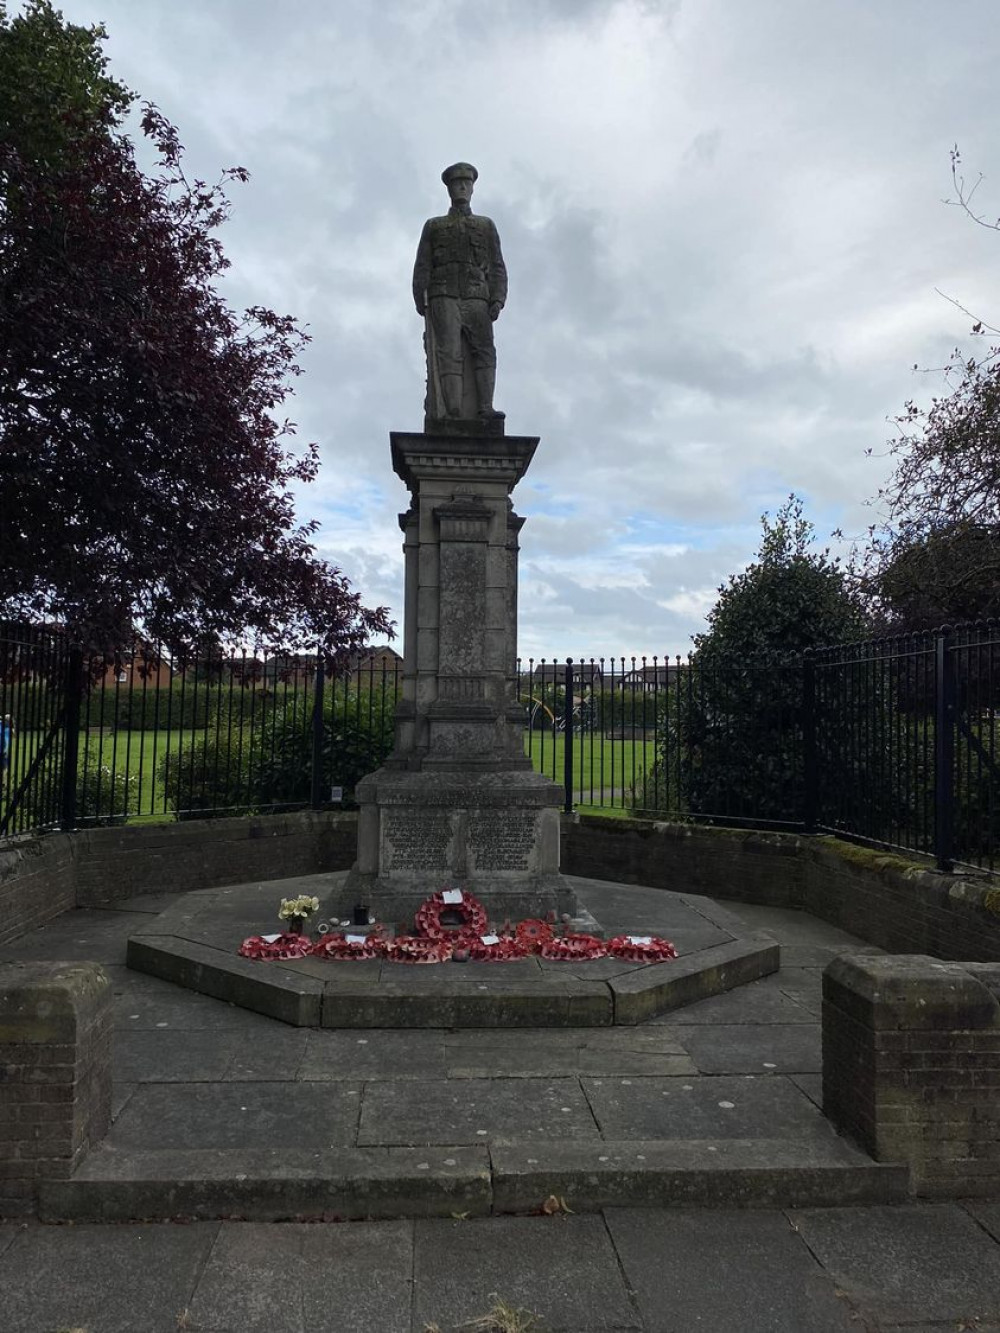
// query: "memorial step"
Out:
[268,1185]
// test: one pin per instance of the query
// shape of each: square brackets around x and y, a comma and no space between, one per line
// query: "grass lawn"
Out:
[141,753]
[137,752]
[604,771]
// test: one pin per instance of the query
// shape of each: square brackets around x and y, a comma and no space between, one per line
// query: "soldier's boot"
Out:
[485,384]
[451,392]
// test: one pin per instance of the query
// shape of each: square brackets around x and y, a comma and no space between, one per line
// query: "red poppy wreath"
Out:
[472,914]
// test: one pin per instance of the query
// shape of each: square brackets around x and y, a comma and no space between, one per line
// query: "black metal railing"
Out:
[147,733]
[892,742]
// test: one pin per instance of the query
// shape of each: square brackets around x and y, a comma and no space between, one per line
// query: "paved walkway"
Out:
[190,1069]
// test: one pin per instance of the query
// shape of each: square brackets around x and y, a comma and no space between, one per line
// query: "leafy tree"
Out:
[788,599]
[942,574]
[732,721]
[54,84]
[935,555]
[145,469]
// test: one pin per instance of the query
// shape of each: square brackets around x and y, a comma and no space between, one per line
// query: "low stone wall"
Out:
[900,906]
[911,1066]
[731,863]
[55,1057]
[42,877]
[37,882]
[115,863]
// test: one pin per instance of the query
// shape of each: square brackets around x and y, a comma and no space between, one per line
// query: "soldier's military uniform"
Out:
[459,273]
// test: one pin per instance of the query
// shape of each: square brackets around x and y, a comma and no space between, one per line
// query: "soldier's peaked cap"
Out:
[459,169]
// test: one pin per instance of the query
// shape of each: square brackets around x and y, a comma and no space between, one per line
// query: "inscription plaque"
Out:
[502,841]
[415,841]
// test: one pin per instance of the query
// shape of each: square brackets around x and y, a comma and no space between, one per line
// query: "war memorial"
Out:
[458,845]
[590,1029]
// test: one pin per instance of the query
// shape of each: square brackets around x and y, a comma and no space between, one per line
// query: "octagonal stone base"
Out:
[195,944]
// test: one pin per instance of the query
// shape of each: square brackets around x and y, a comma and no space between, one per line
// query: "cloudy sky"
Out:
[723,222]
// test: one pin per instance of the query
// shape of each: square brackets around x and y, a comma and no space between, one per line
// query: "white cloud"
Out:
[724,229]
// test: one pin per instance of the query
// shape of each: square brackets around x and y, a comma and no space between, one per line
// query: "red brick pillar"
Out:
[55,1073]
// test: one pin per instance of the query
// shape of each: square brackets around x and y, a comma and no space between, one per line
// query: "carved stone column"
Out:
[458,804]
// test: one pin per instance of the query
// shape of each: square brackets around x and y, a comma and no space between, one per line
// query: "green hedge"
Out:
[234,770]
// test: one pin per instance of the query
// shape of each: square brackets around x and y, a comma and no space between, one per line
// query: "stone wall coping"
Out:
[43,1003]
[964,888]
[912,992]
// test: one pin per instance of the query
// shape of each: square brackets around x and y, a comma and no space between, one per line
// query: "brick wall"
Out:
[55,1073]
[720,862]
[911,1066]
[37,883]
[115,863]
[43,877]
[899,905]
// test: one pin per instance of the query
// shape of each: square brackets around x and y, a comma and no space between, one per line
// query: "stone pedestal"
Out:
[458,804]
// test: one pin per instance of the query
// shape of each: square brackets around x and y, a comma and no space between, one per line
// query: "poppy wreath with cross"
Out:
[472,914]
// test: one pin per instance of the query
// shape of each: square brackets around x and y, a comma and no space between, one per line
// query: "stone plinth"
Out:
[55,1073]
[458,803]
[911,1066]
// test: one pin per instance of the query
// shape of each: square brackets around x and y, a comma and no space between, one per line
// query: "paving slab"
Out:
[150,904]
[789,925]
[334,1055]
[703,1107]
[81,935]
[757,1002]
[475,1111]
[663,910]
[762,1172]
[819,956]
[938,1326]
[804,985]
[185,1057]
[908,1263]
[986,1214]
[238,1115]
[673,1260]
[661,1039]
[577,1052]
[275,1184]
[811,1085]
[746,1048]
[120,1094]
[105,1279]
[290,1279]
[273,1054]
[156,1005]
[459,1268]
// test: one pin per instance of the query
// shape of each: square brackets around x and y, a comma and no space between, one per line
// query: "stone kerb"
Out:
[911,1066]
[55,1074]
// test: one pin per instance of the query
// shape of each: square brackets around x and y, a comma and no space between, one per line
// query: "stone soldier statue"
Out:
[460,286]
